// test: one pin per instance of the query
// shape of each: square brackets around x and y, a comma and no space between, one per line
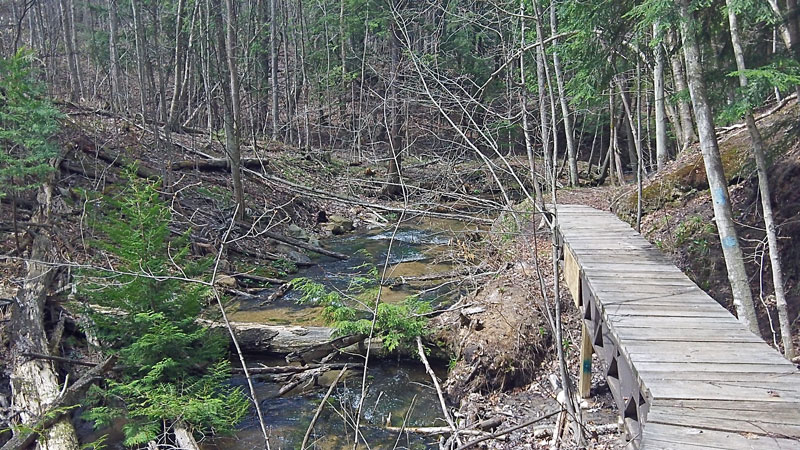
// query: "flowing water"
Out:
[398,390]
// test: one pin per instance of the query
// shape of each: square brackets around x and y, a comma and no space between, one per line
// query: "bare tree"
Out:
[763,187]
[660,113]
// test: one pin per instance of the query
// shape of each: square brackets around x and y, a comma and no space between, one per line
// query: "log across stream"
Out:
[396,386]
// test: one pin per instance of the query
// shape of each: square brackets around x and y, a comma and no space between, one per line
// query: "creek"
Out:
[397,387]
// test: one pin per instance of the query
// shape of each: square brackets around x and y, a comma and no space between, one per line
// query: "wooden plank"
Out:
[722,323]
[695,354]
[677,323]
[572,276]
[603,265]
[654,280]
[643,298]
[783,378]
[720,390]
[633,276]
[784,423]
[725,423]
[731,407]
[681,310]
[716,382]
[656,435]
[697,335]
[752,367]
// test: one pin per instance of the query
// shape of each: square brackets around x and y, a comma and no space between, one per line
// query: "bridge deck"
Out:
[683,371]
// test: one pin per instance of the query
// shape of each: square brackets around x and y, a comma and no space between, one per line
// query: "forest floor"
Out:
[504,353]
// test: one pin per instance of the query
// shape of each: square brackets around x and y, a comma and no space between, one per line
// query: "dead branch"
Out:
[322,405]
[442,403]
[503,432]
[311,375]
[318,351]
[280,292]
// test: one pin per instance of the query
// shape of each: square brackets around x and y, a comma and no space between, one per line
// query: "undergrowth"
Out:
[350,312]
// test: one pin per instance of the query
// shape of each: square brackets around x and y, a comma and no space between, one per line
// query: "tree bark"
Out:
[229,82]
[112,54]
[684,109]
[764,191]
[539,200]
[273,56]
[662,152]
[541,77]
[34,382]
[568,131]
[723,214]
[72,60]
[180,63]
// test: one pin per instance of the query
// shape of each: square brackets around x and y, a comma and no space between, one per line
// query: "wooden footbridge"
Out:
[683,371]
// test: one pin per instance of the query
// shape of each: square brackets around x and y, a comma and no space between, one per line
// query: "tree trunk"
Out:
[113,55]
[571,152]
[541,77]
[180,63]
[764,191]
[72,60]
[539,200]
[138,31]
[34,383]
[393,186]
[273,56]
[662,153]
[723,214]
[684,109]
[229,82]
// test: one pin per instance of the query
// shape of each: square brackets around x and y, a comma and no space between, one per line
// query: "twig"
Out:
[321,406]
[77,362]
[442,403]
[499,433]
[233,335]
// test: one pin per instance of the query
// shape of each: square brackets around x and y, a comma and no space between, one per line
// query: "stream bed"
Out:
[398,389]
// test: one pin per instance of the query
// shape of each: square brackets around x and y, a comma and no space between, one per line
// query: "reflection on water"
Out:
[394,387]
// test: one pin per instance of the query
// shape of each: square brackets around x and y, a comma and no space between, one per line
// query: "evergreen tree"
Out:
[146,312]
[28,122]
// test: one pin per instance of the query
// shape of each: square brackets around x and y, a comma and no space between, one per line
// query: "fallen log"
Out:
[258,278]
[266,255]
[434,430]
[294,369]
[117,159]
[280,292]
[260,338]
[216,164]
[469,271]
[54,412]
[305,245]
[320,350]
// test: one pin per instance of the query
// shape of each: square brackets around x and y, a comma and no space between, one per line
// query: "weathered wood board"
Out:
[686,372]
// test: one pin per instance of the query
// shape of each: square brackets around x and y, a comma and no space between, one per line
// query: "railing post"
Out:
[585,373]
